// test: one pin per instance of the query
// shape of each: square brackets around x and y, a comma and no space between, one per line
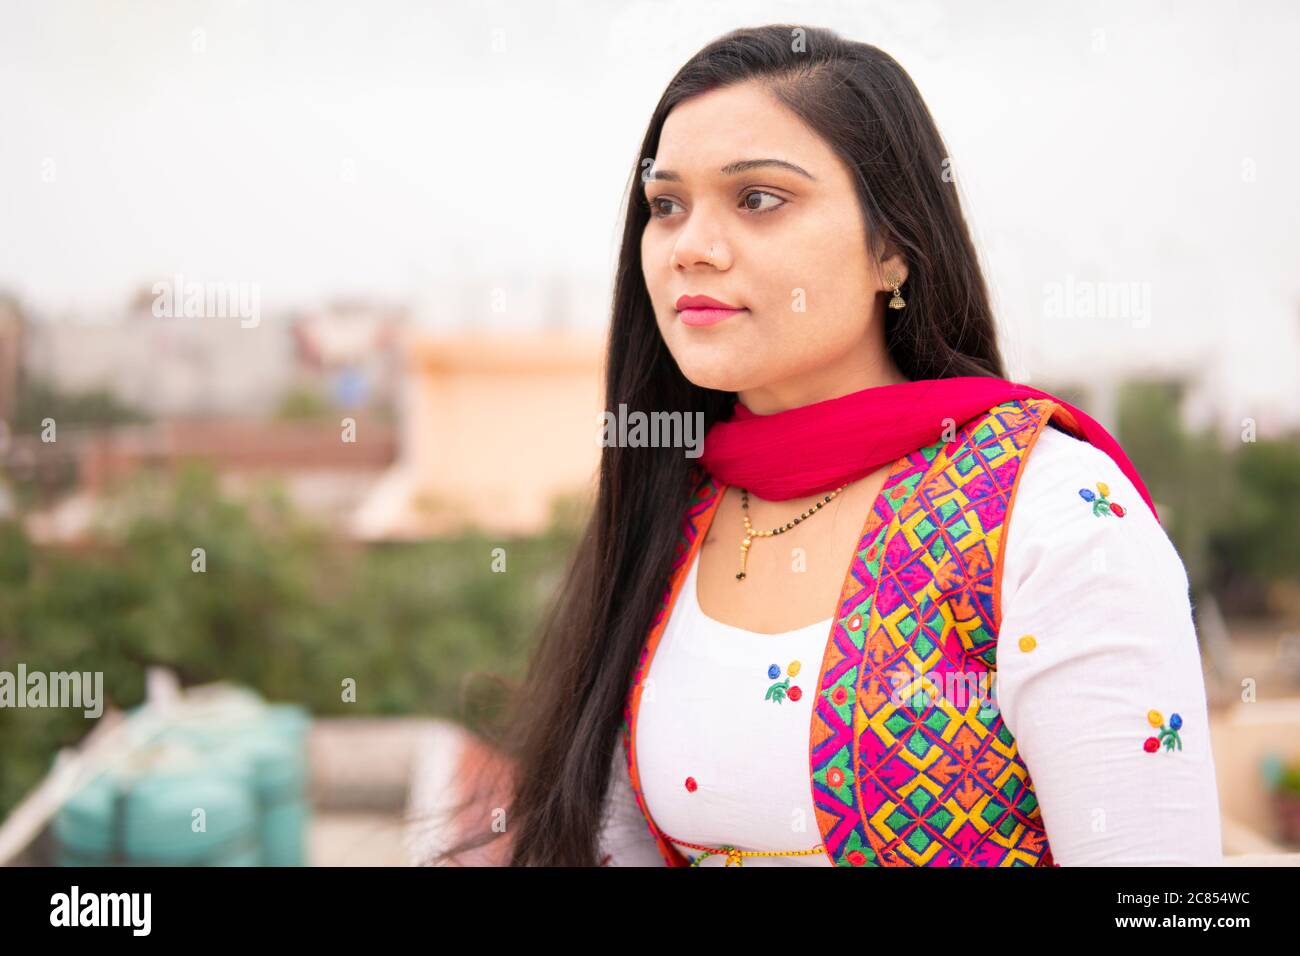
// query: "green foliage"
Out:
[281,607]
[302,404]
[1264,538]
[1232,507]
[38,400]
[1289,781]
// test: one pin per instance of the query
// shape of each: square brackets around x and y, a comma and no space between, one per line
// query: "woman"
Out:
[785,652]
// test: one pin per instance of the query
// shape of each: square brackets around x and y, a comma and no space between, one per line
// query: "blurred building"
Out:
[177,366]
[166,366]
[1222,382]
[350,351]
[494,429]
[325,473]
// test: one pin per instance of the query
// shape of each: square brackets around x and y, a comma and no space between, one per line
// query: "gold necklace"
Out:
[751,534]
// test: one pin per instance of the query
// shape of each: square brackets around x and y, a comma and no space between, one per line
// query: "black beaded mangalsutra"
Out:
[751,534]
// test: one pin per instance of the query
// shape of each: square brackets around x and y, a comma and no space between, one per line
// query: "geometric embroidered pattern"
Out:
[911,764]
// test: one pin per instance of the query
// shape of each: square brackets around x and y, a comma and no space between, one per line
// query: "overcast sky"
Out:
[394,148]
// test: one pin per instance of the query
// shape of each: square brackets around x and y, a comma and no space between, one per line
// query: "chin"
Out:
[723,363]
[721,376]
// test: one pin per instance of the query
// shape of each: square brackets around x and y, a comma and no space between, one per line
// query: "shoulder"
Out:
[1057,451]
[1074,504]
[1069,480]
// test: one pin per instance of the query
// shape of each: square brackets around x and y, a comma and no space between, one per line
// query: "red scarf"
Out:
[817,447]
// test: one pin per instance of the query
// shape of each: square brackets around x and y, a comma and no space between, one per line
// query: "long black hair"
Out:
[562,726]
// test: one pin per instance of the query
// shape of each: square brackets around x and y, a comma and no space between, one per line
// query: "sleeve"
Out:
[1099,674]
[625,838]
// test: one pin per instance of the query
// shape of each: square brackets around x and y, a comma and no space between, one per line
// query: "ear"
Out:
[894,266]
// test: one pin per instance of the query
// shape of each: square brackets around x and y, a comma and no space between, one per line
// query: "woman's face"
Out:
[751,208]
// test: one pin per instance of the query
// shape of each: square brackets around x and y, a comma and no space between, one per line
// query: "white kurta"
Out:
[1096,654]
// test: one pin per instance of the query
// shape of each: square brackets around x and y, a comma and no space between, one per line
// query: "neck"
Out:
[832,381]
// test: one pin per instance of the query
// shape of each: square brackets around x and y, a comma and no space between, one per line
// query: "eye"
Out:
[758,208]
[656,210]
[661,206]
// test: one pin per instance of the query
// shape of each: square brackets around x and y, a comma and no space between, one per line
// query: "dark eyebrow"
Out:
[731,169]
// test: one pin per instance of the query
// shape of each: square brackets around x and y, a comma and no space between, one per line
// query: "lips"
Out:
[704,310]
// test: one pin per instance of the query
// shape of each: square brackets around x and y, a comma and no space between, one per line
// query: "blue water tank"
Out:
[195,816]
[244,767]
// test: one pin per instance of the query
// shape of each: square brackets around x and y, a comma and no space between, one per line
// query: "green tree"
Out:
[280,607]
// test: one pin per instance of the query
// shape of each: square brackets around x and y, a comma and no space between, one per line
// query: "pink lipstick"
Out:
[704,310]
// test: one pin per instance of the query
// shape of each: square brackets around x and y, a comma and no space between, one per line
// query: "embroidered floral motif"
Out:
[1169,735]
[1028,643]
[1101,505]
[691,785]
[782,689]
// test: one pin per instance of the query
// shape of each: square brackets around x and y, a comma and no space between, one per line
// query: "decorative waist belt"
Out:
[735,856]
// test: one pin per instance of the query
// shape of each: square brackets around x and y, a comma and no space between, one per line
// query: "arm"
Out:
[1112,669]
[625,838]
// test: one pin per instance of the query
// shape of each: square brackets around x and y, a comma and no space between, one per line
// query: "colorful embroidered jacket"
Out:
[904,772]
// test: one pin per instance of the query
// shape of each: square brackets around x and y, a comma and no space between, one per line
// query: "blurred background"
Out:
[289,291]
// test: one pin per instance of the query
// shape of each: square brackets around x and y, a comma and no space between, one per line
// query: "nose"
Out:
[700,244]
